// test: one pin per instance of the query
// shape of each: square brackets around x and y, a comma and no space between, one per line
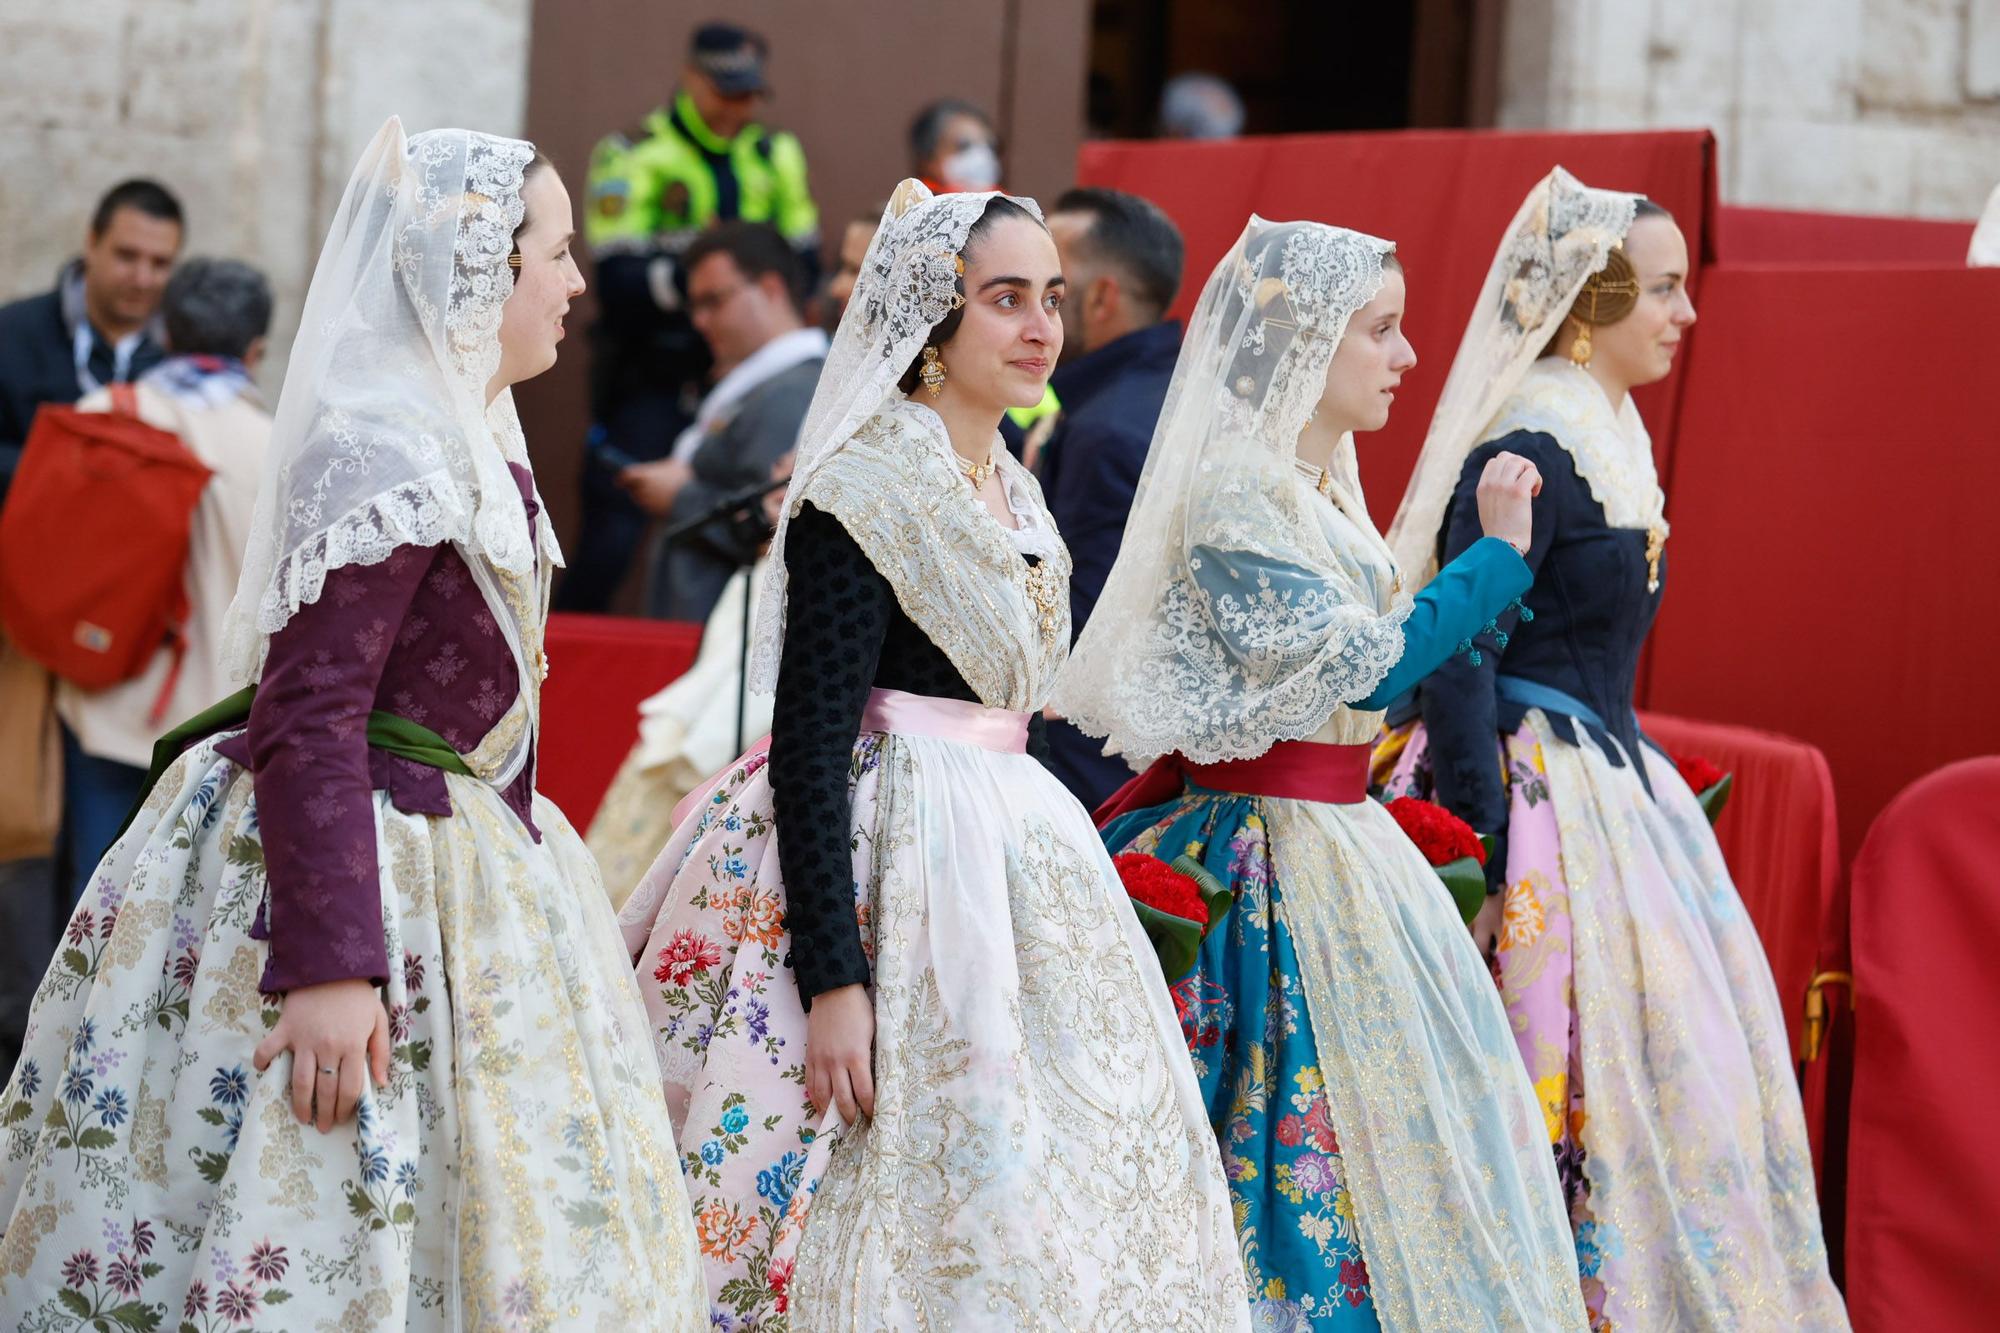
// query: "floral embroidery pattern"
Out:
[1576,879]
[1242,1015]
[729,1031]
[139,1073]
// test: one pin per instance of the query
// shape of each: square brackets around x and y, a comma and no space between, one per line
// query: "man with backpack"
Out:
[99,325]
[216,313]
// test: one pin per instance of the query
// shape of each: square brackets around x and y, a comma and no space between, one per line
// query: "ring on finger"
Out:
[328,1071]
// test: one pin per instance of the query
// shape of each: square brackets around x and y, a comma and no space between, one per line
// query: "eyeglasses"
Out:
[709,302]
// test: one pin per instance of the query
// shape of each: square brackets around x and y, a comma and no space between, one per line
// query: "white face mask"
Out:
[974,167]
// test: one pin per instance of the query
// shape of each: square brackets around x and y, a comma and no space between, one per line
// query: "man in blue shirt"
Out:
[1122,258]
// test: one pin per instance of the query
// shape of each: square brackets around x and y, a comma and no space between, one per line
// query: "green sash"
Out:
[387,732]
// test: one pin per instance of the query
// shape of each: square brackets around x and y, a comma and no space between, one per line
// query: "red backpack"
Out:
[93,541]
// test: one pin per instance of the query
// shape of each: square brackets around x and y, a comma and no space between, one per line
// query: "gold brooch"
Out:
[1045,589]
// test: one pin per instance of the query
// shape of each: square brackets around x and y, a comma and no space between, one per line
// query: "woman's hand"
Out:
[774,501]
[1486,927]
[338,1034]
[1507,491]
[840,1052]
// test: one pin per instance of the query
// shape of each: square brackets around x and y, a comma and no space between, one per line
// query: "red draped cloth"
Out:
[1832,498]
[600,669]
[1787,236]
[1923,1202]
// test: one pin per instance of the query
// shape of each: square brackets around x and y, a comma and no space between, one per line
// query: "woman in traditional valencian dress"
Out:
[342,1035]
[1383,1149]
[1640,998]
[1026,1147]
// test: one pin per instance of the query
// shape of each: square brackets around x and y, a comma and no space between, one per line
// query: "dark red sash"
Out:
[1289,770]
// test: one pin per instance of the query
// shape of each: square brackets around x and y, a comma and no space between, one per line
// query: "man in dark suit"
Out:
[1122,258]
[97,326]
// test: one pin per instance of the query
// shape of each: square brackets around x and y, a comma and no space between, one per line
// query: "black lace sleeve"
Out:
[837,612]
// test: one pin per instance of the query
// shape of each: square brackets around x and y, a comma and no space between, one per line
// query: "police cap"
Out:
[731,57]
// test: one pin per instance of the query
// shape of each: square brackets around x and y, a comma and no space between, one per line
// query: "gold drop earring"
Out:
[1580,349]
[933,372]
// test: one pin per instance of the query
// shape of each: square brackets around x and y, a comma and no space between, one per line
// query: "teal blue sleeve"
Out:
[1452,608]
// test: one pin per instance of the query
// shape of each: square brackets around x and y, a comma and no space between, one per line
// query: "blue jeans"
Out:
[97,795]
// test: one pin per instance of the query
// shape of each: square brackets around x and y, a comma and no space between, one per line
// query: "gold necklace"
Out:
[976,473]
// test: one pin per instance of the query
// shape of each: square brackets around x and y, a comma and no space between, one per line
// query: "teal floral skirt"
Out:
[1243,1013]
[1386,1159]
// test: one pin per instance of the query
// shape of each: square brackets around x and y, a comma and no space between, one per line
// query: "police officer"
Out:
[700,160]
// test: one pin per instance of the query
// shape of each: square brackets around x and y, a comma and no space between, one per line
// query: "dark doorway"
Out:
[1299,65]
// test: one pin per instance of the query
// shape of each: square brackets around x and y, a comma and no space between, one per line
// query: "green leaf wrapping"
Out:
[1712,800]
[1175,939]
[1213,892]
[1465,881]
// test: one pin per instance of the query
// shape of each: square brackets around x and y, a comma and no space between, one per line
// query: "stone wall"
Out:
[252,111]
[1861,106]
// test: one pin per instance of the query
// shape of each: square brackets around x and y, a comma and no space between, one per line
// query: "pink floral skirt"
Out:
[1038,1156]
[1643,1005]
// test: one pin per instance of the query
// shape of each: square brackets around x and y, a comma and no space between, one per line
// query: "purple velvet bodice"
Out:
[412,636]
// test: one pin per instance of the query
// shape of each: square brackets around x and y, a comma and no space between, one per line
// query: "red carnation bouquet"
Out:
[1177,904]
[1455,852]
[1710,785]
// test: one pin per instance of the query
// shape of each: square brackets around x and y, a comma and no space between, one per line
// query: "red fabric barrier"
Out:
[1832,492]
[600,668]
[1923,1179]
[1441,196]
[1787,882]
[1782,236]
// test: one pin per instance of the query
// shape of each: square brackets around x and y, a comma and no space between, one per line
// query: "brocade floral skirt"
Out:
[1038,1157]
[1383,1149]
[515,1172]
[1645,1013]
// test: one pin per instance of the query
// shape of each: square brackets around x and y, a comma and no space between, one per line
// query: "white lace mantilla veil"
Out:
[383,435]
[1171,660]
[908,282]
[1563,233]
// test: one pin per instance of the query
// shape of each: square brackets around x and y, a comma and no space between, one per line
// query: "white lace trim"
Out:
[1563,232]
[956,570]
[1185,691]
[909,281]
[426,512]
[486,195]
[383,435]
[1612,450]
[1182,655]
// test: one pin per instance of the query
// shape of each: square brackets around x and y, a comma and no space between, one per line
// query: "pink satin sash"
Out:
[959,720]
[904,714]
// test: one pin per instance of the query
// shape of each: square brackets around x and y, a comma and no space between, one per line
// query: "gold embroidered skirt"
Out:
[516,1171]
[1039,1156]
